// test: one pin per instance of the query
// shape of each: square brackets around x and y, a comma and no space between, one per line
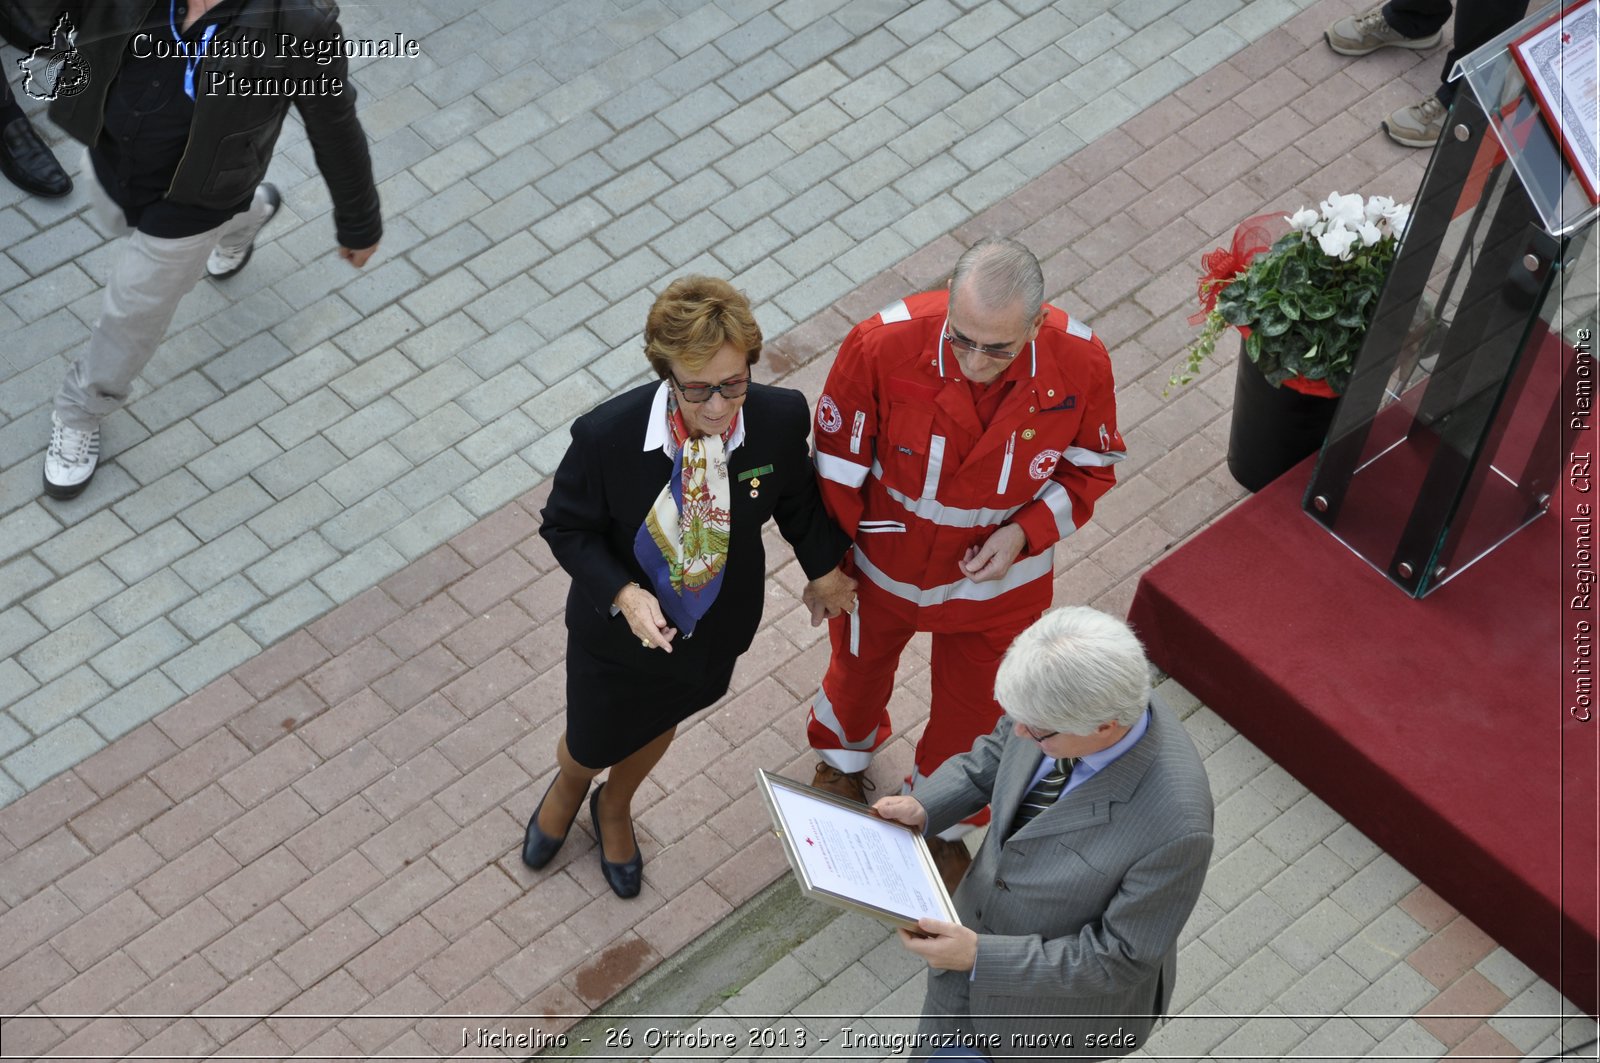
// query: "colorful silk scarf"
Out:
[683,542]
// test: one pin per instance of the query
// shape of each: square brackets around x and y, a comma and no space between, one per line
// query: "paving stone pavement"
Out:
[255,843]
[308,429]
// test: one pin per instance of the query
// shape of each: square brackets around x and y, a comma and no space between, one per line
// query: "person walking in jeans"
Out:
[176,154]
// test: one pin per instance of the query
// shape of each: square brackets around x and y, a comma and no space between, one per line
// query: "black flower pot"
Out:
[1273,428]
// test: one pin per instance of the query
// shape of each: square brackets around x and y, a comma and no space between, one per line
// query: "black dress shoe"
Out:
[28,163]
[538,848]
[623,878]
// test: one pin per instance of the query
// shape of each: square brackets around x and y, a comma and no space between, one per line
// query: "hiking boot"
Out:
[952,859]
[1419,125]
[71,459]
[850,785]
[1367,32]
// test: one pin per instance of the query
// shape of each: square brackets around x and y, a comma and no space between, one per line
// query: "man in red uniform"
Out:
[960,434]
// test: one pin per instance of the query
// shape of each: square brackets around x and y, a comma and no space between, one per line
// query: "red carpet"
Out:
[1437,727]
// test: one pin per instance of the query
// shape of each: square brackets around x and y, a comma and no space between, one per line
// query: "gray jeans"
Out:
[150,276]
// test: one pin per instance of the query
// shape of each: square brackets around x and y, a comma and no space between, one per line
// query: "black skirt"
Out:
[614,711]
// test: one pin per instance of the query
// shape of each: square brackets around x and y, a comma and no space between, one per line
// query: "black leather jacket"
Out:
[232,136]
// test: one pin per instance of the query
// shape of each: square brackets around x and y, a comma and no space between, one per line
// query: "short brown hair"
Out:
[692,320]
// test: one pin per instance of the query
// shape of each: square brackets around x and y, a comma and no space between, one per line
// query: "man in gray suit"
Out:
[1098,846]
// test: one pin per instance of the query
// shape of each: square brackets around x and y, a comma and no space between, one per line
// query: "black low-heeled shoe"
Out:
[538,848]
[623,878]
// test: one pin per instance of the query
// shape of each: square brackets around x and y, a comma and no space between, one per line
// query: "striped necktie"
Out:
[1044,793]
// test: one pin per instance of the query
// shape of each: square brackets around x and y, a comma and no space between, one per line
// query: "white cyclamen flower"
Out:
[1303,219]
[1396,218]
[1369,233]
[1337,242]
[1348,211]
[1378,207]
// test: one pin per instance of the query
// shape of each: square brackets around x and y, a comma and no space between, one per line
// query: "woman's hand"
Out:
[643,614]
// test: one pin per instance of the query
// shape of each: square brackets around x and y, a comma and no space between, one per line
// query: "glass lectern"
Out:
[1451,435]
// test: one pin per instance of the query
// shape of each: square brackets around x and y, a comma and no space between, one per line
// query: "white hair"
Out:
[1072,670]
[1001,271]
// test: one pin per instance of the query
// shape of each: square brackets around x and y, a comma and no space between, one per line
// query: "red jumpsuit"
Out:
[912,473]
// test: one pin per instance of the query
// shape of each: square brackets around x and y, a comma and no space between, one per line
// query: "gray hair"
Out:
[1001,271]
[1072,670]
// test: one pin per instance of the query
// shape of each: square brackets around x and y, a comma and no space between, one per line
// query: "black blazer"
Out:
[607,482]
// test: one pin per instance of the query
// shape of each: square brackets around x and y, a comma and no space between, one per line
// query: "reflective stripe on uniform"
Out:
[931,509]
[841,471]
[1025,571]
[822,712]
[1079,329]
[1082,456]
[895,311]
[930,484]
[1055,496]
[1005,466]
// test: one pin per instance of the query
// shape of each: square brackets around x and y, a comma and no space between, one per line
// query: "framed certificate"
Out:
[1558,59]
[845,856]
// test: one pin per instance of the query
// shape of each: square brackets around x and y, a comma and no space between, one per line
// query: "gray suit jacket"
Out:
[1078,913]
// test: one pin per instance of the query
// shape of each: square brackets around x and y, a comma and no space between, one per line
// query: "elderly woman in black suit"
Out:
[656,512]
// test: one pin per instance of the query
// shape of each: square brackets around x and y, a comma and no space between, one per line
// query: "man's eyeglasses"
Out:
[728,389]
[1037,736]
[1001,351]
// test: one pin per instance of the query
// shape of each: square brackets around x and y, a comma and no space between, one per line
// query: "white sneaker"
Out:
[224,264]
[71,459]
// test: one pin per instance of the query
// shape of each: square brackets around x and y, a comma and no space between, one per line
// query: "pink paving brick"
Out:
[265,826]
[492,730]
[108,874]
[494,534]
[181,934]
[753,869]
[343,775]
[278,715]
[269,771]
[546,597]
[338,994]
[1473,998]
[126,759]
[186,877]
[264,990]
[332,889]
[257,938]
[426,576]
[351,670]
[618,964]
[498,580]
[185,1038]
[30,1034]
[605,918]
[177,992]
[1451,952]
[24,872]
[31,976]
[497,677]
[545,904]
[472,902]
[184,825]
[335,833]
[403,895]
[34,921]
[683,918]
[416,729]
[463,962]
[92,938]
[418,677]
[687,860]
[257,1042]
[408,837]
[204,711]
[1484,1045]
[103,1038]
[482,788]
[422,625]
[277,666]
[409,996]
[411,783]
[1430,910]
[95,991]
[36,814]
[485,635]
[325,948]
[347,722]
[478,845]
[355,620]
[396,954]
[529,971]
